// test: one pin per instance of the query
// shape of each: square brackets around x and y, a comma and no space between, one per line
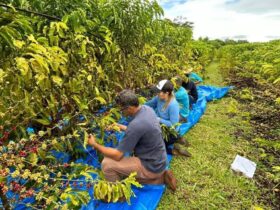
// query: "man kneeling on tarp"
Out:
[143,138]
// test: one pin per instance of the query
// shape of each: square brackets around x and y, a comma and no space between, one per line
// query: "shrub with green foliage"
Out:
[61,60]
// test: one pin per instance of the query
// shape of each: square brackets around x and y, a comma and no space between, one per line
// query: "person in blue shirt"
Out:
[165,104]
[167,110]
[182,97]
[195,78]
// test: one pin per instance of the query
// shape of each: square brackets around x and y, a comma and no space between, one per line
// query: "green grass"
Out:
[205,180]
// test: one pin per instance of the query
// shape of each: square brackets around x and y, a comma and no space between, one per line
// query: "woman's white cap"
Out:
[161,84]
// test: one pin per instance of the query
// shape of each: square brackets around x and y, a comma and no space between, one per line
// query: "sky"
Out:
[253,20]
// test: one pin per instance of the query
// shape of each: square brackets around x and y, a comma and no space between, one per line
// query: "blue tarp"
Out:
[149,196]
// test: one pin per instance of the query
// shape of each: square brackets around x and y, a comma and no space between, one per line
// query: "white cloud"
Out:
[255,6]
[258,20]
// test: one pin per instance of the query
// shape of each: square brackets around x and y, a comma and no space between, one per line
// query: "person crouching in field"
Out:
[195,77]
[167,110]
[190,87]
[143,138]
[182,98]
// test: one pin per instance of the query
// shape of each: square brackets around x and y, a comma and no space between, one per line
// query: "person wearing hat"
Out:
[143,138]
[165,104]
[167,110]
[190,87]
[194,77]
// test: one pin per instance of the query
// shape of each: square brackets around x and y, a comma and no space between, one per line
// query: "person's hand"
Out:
[110,127]
[116,127]
[113,127]
[122,127]
[91,140]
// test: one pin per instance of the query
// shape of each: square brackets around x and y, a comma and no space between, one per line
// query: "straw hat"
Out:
[188,70]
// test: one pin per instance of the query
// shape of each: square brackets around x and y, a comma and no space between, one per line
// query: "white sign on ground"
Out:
[243,165]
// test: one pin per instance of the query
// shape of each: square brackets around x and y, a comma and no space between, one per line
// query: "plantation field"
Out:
[62,63]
